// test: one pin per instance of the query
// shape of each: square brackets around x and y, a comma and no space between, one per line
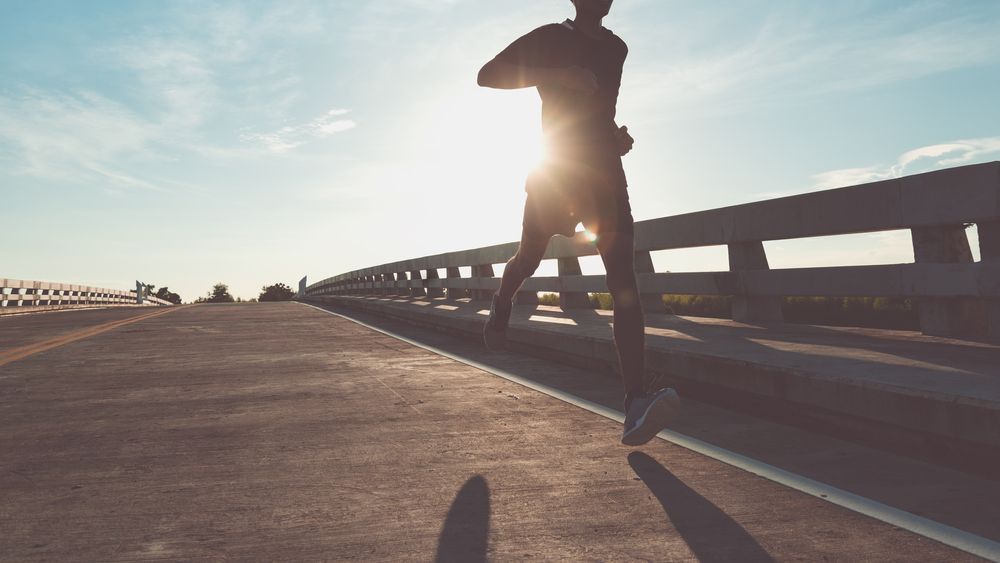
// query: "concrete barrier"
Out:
[20,296]
[956,296]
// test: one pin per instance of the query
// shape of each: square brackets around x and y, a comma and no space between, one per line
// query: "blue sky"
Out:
[185,143]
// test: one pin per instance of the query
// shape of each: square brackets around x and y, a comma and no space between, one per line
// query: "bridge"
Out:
[21,296]
[367,422]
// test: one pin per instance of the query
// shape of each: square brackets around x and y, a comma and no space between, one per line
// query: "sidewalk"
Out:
[942,393]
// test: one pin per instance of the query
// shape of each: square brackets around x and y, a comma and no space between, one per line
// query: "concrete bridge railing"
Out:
[956,295]
[29,295]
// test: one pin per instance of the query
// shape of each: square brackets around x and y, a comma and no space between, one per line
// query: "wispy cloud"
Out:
[177,76]
[204,62]
[292,136]
[794,56]
[180,82]
[922,159]
[79,137]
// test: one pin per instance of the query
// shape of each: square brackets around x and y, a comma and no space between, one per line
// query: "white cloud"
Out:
[204,62]
[80,137]
[292,136]
[188,75]
[175,75]
[922,159]
[796,56]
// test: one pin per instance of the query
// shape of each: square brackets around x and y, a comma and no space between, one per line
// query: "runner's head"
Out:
[592,8]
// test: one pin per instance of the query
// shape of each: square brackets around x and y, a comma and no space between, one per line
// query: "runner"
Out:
[577,68]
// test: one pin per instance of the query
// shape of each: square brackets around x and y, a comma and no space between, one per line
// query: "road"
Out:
[280,432]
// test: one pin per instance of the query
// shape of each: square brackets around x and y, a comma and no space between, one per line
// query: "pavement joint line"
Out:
[948,535]
[39,347]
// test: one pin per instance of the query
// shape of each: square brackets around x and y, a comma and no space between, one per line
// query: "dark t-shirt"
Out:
[578,127]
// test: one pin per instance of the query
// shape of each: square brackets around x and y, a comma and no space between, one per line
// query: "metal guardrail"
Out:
[956,295]
[29,295]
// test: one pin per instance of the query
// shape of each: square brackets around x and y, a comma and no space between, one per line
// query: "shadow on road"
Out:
[465,536]
[709,532]
[782,440]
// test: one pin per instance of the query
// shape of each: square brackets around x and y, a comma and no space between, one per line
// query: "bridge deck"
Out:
[279,432]
[921,389]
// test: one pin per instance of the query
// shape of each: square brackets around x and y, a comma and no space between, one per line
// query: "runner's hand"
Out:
[578,79]
[625,141]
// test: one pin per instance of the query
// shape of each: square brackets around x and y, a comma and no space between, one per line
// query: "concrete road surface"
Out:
[278,432]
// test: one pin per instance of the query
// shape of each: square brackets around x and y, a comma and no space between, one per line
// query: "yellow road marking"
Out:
[31,349]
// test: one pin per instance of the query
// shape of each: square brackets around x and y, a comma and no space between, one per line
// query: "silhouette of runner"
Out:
[577,68]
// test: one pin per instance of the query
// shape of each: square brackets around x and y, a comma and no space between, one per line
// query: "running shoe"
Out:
[495,330]
[648,414]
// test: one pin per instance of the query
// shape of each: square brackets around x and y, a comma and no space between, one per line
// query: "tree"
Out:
[276,292]
[165,294]
[219,294]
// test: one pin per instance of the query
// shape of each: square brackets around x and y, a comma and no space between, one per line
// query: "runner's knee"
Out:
[623,287]
[524,264]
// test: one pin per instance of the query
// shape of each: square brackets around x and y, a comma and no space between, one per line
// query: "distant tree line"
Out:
[163,293]
[276,292]
[220,294]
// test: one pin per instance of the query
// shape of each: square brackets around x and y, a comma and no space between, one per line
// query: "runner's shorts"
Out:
[559,199]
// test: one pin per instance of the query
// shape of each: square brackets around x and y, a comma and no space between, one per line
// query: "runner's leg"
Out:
[523,264]
[616,249]
[537,227]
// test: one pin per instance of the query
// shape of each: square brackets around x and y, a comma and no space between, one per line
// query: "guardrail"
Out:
[956,296]
[29,295]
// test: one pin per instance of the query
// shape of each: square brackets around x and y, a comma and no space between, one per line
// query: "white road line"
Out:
[959,539]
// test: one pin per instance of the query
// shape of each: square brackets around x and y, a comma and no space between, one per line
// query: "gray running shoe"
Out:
[648,414]
[495,330]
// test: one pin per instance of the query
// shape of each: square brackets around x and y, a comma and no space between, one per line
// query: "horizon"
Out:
[254,143]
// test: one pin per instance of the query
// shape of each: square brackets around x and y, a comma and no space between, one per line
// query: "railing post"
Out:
[401,291]
[482,271]
[388,290]
[417,291]
[989,252]
[748,308]
[941,316]
[572,299]
[526,297]
[452,272]
[433,292]
[651,302]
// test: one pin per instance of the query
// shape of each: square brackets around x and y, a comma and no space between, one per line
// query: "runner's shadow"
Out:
[709,532]
[465,536]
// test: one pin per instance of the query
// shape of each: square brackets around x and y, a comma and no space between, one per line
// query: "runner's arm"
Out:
[508,76]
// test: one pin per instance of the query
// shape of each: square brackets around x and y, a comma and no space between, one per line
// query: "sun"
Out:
[472,150]
[486,130]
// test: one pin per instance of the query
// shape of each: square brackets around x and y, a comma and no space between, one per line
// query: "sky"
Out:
[188,143]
